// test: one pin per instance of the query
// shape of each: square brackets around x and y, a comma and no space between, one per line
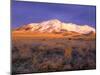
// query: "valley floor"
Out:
[36,52]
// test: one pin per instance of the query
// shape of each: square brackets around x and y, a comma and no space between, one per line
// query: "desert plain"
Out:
[34,52]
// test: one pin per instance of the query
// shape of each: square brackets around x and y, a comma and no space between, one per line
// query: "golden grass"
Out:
[19,34]
[31,35]
[43,52]
[68,52]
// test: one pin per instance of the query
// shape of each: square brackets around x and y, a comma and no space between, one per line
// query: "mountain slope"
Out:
[56,26]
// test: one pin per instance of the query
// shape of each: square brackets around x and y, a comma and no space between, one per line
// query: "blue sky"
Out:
[27,12]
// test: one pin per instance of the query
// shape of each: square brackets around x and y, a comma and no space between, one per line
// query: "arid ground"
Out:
[50,52]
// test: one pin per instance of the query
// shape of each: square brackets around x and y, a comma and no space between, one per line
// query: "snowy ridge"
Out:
[57,26]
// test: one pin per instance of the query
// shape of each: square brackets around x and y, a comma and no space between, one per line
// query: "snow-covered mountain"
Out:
[56,26]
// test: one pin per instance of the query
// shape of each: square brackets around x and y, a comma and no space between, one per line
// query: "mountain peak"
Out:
[54,20]
[51,22]
[57,26]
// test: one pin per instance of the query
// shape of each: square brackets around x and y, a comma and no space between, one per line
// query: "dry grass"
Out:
[36,52]
[68,52]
